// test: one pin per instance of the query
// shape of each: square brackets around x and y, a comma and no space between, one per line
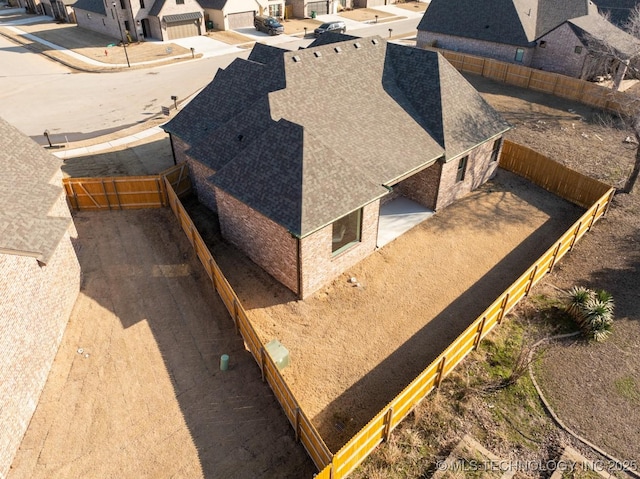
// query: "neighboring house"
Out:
[60,10]
[551,35]
[153,19]
[233,14]
[39,279]
[296,150]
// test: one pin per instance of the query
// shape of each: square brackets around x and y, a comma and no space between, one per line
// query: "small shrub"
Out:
[592,311]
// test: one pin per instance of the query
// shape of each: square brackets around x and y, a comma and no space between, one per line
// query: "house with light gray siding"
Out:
[296,151]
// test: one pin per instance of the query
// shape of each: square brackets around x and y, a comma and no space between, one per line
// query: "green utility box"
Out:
[278,353]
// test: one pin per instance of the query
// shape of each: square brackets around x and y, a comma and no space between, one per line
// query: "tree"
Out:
[611,50]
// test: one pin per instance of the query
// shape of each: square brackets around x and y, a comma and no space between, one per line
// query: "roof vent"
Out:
[338,49]
[240,137]
[375,41]
[357,45]
[296,58]
[317,54]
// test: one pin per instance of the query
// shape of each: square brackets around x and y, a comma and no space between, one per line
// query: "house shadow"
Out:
[139,265]
[350,411]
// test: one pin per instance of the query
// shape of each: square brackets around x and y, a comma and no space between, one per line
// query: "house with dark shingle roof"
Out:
[39,279]
[557,36]
[146,19]
[297,150]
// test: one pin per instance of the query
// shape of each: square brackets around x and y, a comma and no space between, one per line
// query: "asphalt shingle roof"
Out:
[513,22]
[355,116]
[27,193]
[95,6]
[618,9]
[594,27]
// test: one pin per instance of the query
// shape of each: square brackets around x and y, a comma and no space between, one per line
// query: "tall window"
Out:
[141,3]
[275,10]
[496,149]
[122,5]
[462,168]
[346,231]
[179,2]
[519,54]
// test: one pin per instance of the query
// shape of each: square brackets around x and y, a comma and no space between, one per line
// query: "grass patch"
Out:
[627,387]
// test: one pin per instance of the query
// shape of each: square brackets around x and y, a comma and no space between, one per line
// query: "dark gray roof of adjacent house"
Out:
[213,4]
[513,22]
[619,10]
[263,53]
[181,17]
[156,8]
[27,193]
[95,6]
[594,28]
[331,37]
[310,138]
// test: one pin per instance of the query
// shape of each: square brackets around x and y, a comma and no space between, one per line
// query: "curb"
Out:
[555,417]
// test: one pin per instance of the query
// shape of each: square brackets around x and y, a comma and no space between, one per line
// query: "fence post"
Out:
[213,274]
[235,313]
[106,196]
[575,235]
[297,425]
[387,425]
[113,183]
[531,278]
[480,331]
[555,256]
[262,361]
[503,308]
[593,218]
[440,371]
[175,206]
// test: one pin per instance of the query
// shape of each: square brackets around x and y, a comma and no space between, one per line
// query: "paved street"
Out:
[37,94]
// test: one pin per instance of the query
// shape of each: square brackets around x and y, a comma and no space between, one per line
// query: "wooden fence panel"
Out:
[360,446]
[115,192]
[494,69]
[542,81]
[179,178]
[305,431]
[518,75]
[550,175]
[472,64]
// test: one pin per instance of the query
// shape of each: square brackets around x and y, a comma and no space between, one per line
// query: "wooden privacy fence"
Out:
[125,192]
[560,85]
[304,429]
[519,160]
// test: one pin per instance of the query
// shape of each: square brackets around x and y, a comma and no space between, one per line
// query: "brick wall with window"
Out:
[320,265]
[480,166]
[558,52]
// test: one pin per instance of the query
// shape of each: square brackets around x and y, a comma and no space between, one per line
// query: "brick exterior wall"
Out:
[95,22]
[480,169]
[423,186]
[558,54]
[319,266]
[266,243]
[35,304]
[498,51]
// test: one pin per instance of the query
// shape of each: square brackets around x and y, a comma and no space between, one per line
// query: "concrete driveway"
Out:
[136,390]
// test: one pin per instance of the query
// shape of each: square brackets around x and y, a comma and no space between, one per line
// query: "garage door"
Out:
[184,29]
[321,8]
[240,20]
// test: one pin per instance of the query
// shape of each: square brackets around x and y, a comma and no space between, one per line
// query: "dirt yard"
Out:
[136,389]
[595,388]
[354,348]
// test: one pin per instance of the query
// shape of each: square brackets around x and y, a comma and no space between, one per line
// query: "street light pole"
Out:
[124,43]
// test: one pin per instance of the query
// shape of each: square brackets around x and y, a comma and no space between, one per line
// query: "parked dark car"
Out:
[268,25]
[336,27]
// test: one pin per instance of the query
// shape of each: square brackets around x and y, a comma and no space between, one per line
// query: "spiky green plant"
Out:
[577,298]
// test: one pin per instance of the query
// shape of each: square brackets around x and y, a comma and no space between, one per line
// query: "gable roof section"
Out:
[335,91]
[266,54]
[590,28]
[512,22]
[27,193]
[95,6]
[331,37]
[446,104]
[213,4]
[231,91]
[355,117]
[620,10]
[296,181]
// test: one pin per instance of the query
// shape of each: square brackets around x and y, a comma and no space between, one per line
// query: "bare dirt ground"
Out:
[136,389]
[365,14]
[412,6]
[354,348]
[595,388]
